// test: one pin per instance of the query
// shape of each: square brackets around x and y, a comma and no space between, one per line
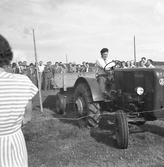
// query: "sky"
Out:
[81,28]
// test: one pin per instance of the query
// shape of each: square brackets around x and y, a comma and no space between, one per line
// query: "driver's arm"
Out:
[100,63]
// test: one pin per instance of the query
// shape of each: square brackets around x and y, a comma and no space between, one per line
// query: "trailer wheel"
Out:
[85,108]
[60,104]
[121,129]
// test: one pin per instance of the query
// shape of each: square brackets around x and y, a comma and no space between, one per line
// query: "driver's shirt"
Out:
[100,64]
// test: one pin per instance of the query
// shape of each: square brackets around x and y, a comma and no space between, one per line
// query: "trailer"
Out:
[65,82]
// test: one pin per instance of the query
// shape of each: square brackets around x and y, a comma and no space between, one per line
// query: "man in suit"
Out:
[47,75]
[20,68]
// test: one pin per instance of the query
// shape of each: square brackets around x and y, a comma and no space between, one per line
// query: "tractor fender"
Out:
[94,87]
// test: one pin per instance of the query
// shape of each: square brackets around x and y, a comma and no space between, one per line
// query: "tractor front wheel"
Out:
[121,129]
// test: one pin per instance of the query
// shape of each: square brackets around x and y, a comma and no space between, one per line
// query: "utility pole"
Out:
[39,82]
[66,59]
[134,50]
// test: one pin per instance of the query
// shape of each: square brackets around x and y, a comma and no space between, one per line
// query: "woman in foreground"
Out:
[16,93]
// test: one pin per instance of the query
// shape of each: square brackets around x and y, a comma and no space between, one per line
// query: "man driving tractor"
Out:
[101,65]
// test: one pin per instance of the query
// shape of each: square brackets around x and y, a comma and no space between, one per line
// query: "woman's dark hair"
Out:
[6,54]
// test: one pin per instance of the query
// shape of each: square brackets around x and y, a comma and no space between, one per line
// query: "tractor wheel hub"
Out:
[80,106]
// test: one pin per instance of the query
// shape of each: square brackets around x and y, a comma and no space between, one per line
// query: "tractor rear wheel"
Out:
[85,108]
[121,129]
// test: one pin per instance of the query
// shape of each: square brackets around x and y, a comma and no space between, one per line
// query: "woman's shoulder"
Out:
[24,80]
[20,76]
[21,79]
[13,76]
[16,80]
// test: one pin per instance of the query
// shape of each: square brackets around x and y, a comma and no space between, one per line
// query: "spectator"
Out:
[150,63]
[40,72]
[73,67]
[142,64]
[132,64]
[47,75]
[144,60]
[56,68]
[32,73]
[83,67]
[87,67]
[15,68]
[118,64]
[24,68]
[123,64]
[20,68]
[128,64]
[63,68]
[41,67]
[69,67]
[92,67]
[79,68]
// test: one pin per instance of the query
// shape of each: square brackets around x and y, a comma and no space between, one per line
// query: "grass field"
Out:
[52,142]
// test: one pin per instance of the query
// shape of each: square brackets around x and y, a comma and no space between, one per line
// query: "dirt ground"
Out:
[54,142]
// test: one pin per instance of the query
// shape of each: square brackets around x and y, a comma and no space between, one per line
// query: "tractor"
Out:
[136,95]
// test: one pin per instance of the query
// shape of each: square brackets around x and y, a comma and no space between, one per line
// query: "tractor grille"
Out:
[128,82]
[149,83]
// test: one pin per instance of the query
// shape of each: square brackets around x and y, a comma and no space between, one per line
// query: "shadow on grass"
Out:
[69,117]
[155,129]
[48,99]
[134,129]
[50,102]
[105,133]
[151,128]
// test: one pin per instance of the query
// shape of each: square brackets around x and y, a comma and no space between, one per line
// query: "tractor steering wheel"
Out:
[109,67]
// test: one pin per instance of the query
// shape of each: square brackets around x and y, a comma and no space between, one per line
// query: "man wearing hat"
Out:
[100,64]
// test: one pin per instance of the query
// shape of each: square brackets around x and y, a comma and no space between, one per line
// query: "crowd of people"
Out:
[47,71]
[143,63]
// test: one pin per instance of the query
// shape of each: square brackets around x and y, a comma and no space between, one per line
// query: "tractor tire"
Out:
[121,129]
[85,108]
[60,106]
